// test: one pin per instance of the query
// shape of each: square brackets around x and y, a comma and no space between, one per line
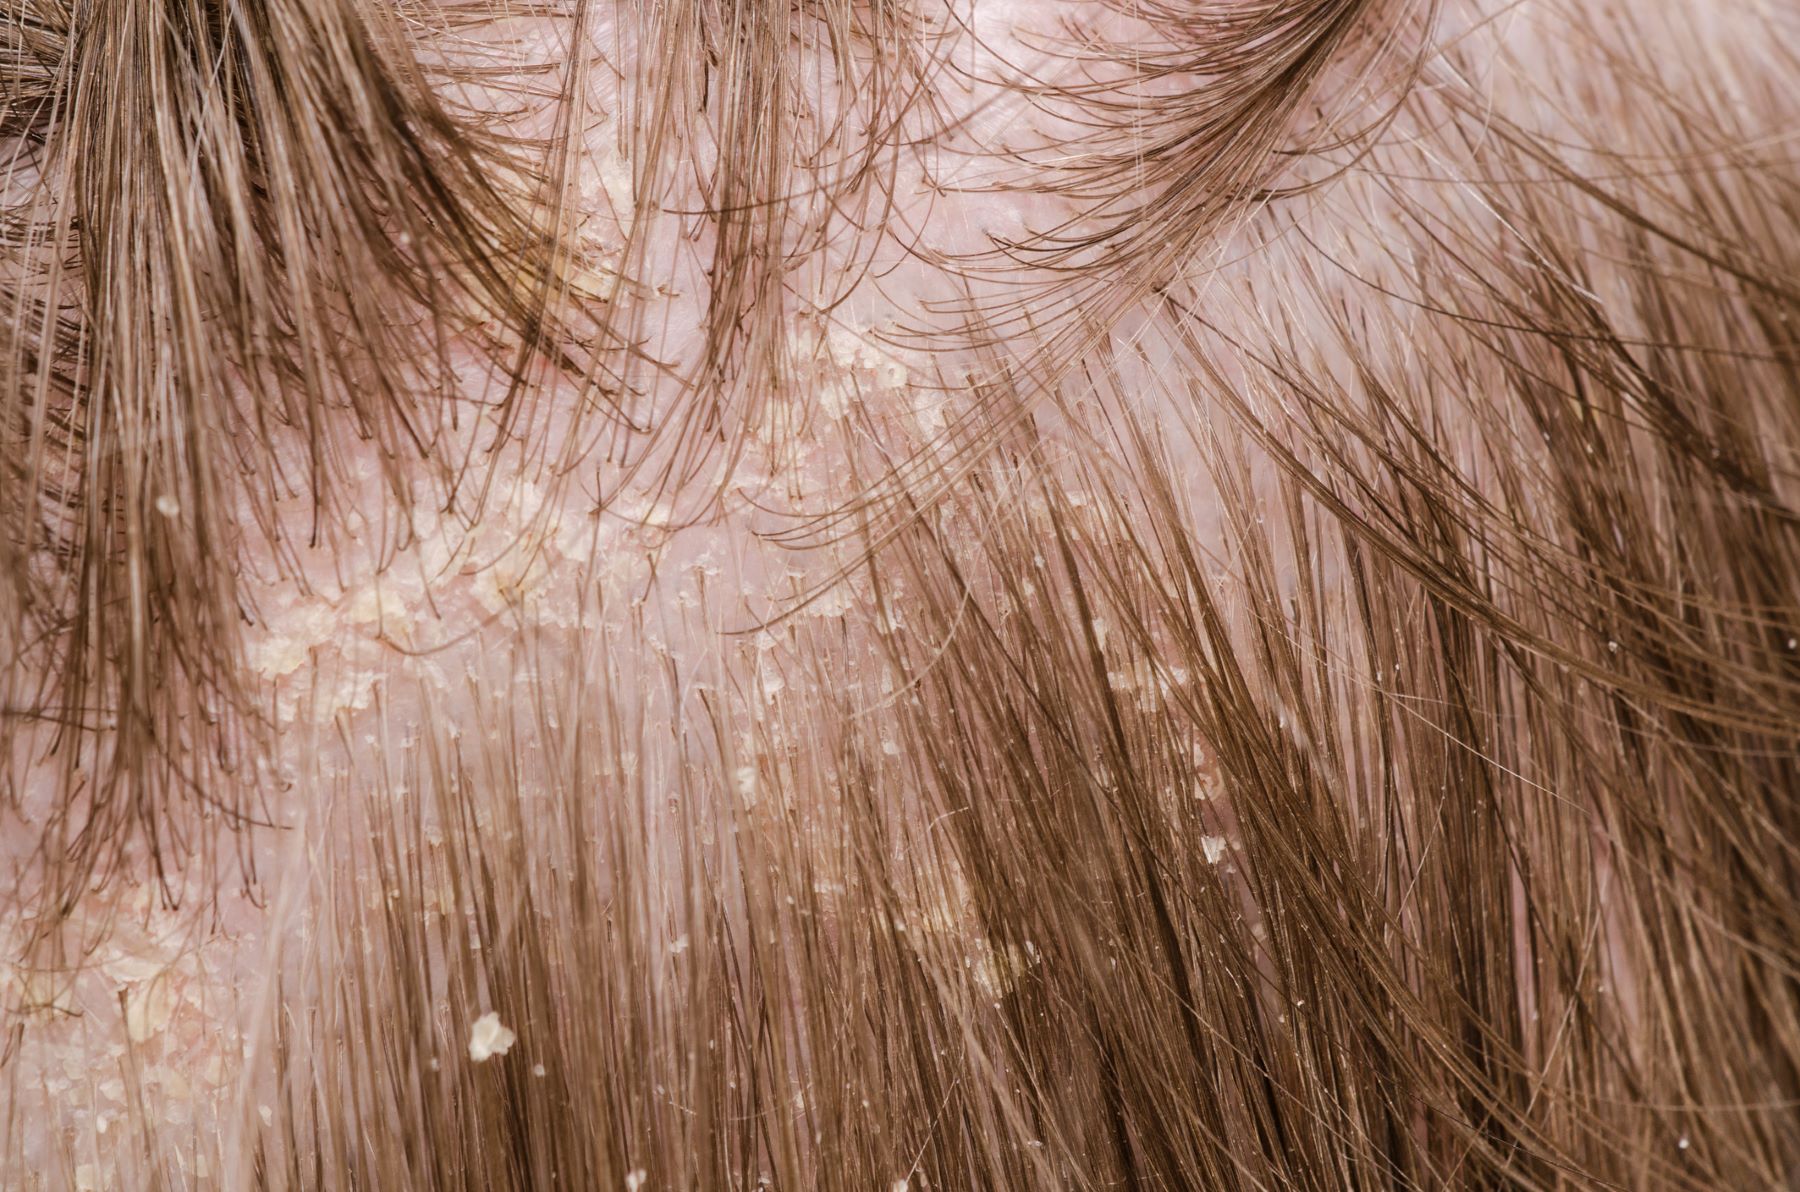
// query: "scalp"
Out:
[1199,594]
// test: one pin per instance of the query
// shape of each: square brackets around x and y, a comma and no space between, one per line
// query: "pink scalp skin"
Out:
[165,1018]
[561,559]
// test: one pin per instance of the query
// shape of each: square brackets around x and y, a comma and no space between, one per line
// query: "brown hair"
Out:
[1321,705]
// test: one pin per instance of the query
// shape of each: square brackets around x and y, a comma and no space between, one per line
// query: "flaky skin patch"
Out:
[730,595]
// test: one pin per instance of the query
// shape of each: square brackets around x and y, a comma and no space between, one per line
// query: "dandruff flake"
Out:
[489,1037]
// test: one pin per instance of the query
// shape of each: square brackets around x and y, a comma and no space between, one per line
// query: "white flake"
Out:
[489,1038]
[147,1010]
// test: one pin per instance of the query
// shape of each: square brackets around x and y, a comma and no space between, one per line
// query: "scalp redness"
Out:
[717,594]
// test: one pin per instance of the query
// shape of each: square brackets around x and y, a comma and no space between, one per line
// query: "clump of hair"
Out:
[236,238]
[1322,711]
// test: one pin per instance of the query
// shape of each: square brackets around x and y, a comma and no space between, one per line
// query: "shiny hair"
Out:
[1321,702]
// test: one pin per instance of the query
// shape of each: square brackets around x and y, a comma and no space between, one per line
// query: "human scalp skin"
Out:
[1190,595]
